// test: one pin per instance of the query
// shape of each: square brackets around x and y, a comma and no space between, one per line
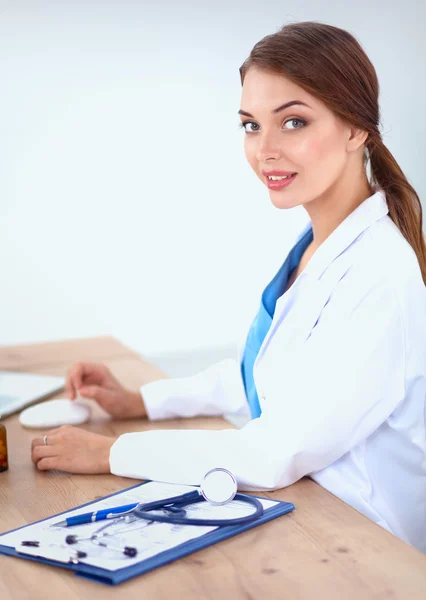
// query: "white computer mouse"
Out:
[54,413]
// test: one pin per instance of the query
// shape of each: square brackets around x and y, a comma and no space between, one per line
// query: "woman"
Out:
[334,365]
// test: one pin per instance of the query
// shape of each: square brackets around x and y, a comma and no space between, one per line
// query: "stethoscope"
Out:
[218,487]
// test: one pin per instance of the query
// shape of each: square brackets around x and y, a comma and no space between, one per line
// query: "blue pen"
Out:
[97,515]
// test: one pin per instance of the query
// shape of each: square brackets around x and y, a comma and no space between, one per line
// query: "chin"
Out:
[283,200]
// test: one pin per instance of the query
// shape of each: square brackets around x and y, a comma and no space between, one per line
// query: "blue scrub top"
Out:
[263,319]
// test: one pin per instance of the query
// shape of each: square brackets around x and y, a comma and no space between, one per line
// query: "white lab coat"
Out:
[341,379]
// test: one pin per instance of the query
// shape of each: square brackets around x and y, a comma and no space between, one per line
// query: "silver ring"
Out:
[45,440]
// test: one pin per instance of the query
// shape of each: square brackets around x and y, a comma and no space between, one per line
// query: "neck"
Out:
[338,202]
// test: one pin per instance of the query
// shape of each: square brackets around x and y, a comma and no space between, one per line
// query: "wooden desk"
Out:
[324,549]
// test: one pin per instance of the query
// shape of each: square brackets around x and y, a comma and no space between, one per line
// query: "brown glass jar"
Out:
[3,449]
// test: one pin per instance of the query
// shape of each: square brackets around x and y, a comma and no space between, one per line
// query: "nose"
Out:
[268,149]
[265,156]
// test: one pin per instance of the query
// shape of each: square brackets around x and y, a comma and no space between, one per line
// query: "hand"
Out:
[73,450]
[95,380]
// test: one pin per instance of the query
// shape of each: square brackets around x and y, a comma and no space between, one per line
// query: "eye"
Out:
[296,121]
[251,123]
[243,126]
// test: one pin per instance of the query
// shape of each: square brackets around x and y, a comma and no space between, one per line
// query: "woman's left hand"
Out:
[73,450]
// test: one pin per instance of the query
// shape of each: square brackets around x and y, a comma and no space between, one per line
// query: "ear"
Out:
[356,139]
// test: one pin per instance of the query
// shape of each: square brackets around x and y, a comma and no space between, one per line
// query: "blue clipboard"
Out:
[115,577]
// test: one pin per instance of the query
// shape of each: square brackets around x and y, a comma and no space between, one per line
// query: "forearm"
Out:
[217,390]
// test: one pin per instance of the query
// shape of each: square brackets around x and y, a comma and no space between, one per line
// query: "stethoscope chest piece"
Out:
[219,486]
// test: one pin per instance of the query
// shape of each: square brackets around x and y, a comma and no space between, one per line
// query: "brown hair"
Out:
[330,64]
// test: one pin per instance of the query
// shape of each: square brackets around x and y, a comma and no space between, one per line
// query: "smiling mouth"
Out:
[275,182]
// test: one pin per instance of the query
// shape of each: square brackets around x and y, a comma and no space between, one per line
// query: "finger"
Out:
[95,392]
[74,377]
[69,388]
[51,434]
[45,464]
[78,373]
[87,373]
[40,452]
[96,375]
[38,442]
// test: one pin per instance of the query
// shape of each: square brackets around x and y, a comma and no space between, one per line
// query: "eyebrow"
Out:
[277,110]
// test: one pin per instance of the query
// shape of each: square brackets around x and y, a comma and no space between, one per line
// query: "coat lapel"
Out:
[371,210]
[309,294]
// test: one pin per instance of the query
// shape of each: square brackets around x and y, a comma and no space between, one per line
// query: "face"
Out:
[307,140]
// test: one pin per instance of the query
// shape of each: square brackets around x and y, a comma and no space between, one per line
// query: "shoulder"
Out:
[382,256]
[384,275]
[391,261]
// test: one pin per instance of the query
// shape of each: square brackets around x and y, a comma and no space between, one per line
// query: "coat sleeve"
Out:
[215,391]
[347,379]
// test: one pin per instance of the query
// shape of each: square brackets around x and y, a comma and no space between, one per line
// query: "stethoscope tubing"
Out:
[174,506]
[144,511]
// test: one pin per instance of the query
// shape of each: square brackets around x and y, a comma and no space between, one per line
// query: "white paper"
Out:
[149,538]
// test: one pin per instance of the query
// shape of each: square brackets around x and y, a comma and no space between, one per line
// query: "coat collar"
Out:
[368,212]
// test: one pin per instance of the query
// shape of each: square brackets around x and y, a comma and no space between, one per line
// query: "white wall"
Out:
[126,204]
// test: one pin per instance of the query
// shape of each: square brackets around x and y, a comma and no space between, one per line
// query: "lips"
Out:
[280,184]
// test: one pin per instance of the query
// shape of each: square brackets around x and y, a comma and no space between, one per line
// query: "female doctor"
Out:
[333,372]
